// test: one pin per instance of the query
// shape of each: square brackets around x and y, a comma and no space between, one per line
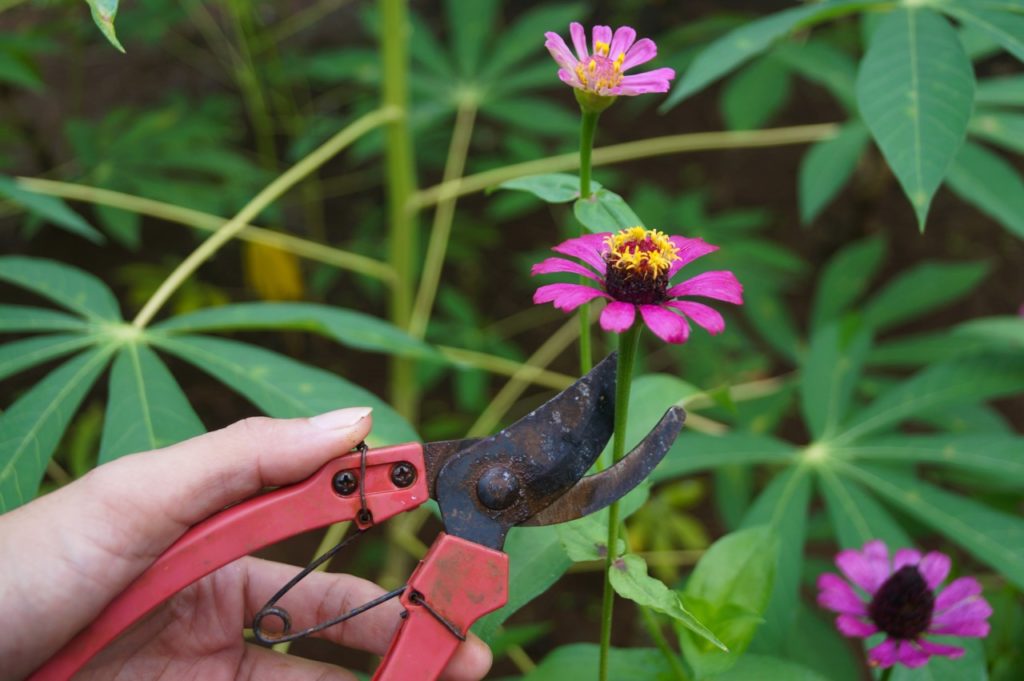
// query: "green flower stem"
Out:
[256,205]
[588,128]
[209,222]
[629,343]
[401,184]
[444,215]
[886,673]
[629,151]
[654,631]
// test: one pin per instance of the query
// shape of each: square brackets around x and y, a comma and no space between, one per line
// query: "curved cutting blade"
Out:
[597,491]
[504,479]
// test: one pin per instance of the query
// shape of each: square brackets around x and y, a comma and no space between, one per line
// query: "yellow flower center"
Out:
[645,252]
[599,71]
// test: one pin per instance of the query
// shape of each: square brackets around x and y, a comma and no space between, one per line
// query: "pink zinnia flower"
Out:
[601,72]
[632,269]
[902,600]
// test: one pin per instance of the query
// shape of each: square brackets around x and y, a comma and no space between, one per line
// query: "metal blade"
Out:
[437,454]
[602,489]
[504,479]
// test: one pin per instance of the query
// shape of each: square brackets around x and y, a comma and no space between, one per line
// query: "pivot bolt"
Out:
[498,488]
[345,483]
[403,474]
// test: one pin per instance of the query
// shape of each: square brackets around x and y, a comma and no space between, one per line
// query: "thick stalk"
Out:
[444,215]
[401,184]
[629,151]
[628,345]
[588,128]
[256,205]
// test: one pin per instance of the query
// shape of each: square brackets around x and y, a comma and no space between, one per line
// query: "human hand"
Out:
[64,556]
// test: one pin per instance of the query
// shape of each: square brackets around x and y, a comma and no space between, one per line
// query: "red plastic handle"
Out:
[240,530]
[461,581]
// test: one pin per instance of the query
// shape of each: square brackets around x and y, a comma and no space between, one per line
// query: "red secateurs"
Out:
[531,473]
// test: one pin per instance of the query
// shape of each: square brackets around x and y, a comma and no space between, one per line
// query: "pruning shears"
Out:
[531,473]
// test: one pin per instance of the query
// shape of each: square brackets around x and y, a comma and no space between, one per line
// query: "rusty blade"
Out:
[437,454]
[602,489]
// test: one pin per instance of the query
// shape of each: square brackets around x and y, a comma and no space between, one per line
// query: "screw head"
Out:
[498,488]
[403,474]
[345,482]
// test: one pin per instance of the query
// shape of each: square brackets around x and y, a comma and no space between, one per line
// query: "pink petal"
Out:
[622,41]
[552,265]
[966,618]
[689,250]
[867,569]
[560,51]
[668,326]
[911,656]
[618,316]
[601,34]
[642,52]
[579,40]
[883,655]
[934,567]
[854,627]
[566,297]
[570,78]
[957,590]
[904,557]
[706,317]
[717,284]
[933,648]
[650,81]
[836,594]
[587,248]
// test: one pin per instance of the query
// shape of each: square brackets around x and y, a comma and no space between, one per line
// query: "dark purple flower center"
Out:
[633,286]
[902,607]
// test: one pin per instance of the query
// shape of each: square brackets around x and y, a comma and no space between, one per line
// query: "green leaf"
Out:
[587,539]
[824,64]
[1001,128]
[693,452]
[67,286]
[971,667]
[827,167]
[550,188]
[783,506]
[1005,28]
[347,327]
[916,91]
[1000,455]
[990,184]
[605,211]
[819,647]
[1001,91]
[536,561]
[738,46]
[580,661]
[20,318]
[425,50]
[765,668]
[518,42]
[50,209]
[32,427]
[964,380]
[22,354]
[846,276]
[830,374]
[471,26]
[755,94]
[539,116]
[992,537]
[773,321]
[855,515]
[146,408]
[1006,330]
[918,291]
[629,578]
[282,387]
[729,590]
[103,14]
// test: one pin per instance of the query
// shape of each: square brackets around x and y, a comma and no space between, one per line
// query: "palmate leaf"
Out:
[1005,28]
[755,94]
[282,387]
[989,183]
[824,64]
[347,327]
[1000,91]
[146,409]
[518,42]
[693,452]
[21,318]
[33,426]
[845,277]
[23,354]
[51,209]
[920,290]
[67,286]
[991,536]
[915,90]
[827,167]
[1002,128]
[830,373]
[855,515]
[997,455]
[471,25]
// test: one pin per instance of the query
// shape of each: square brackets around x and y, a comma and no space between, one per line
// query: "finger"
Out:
[261,664]
[322,596]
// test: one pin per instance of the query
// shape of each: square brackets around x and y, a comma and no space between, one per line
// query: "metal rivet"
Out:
[345,483]
[498,488]
[403,474]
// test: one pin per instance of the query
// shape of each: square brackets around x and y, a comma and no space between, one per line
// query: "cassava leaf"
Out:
[1000,455]
[989,183]
[846,276]
[693,452]
[1006,28]
[855,515]
[755,94]
[1002,128]
[920,290]
[67,286]
[50,208]
[827,166]
[830,373]
[21,318]
[23,354]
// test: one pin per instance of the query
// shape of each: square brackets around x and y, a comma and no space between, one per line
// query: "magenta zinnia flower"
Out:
[601,72]
[902,600]
[632,269]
